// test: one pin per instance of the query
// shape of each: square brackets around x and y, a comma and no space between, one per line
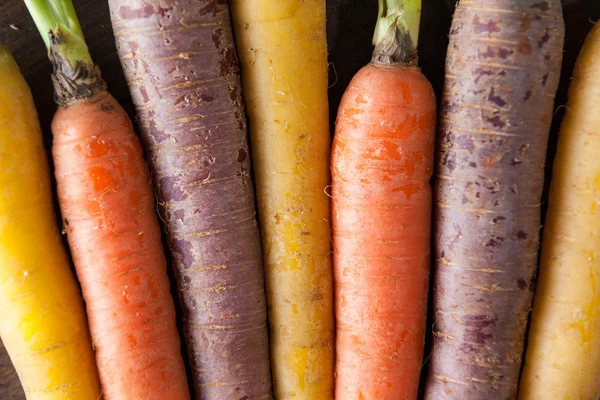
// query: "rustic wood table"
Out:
[350,26]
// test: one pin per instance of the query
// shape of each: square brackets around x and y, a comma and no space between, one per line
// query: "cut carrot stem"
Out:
[107,204]
[381,165]
[404,14]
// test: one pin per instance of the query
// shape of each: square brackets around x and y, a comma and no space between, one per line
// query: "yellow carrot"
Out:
[42,322]
[563,358]
[283,57]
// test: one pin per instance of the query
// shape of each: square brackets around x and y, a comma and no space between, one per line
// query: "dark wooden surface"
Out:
[10,387]
[350,27]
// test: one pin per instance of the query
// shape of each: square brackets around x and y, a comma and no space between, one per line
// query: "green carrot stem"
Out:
[48,14]
[405,14]
[75,75]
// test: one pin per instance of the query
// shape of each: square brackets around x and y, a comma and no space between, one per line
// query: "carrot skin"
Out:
[502,73]
[42,316]
[185,84]
[563,354]
[283,56]
[382,164]
[108,208]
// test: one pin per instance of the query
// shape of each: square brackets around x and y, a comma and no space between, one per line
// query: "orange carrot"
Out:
[381,165]
[108,207]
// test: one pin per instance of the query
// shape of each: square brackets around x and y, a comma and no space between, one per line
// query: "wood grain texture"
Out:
[10,387]
[350,25]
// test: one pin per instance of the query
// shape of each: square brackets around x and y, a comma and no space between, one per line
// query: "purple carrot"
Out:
[502,73]
[180,61]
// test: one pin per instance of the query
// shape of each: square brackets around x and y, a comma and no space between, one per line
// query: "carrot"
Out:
[42,320]
[107,204]
[563,356]
[382,163]
[182,69]
[502,72]
[283,55]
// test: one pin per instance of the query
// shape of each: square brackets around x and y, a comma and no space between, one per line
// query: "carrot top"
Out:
[75,76]
[397,32]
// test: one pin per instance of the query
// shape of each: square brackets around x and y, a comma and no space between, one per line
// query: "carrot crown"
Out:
[75,76]
[397,32]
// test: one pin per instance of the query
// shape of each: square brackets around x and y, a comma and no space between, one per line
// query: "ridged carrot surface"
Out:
[502,72]
[108,209]
[563,356]
[182,69]
[42,319]
[109,216]
[283,57]
[383,162]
